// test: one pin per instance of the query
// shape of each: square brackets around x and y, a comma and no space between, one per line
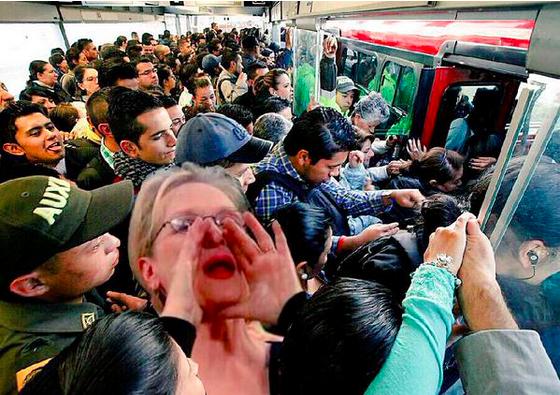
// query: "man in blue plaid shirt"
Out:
[312,153]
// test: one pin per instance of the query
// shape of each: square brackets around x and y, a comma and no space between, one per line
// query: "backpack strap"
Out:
[219,87]
[264,178]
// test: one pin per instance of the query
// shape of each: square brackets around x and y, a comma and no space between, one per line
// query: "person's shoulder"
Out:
[458,123]
[96,174]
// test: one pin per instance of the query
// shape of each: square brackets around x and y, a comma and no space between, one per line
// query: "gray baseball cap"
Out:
[345,84]
[210,137]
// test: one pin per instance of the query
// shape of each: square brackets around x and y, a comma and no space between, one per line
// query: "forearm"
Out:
[415,364]
[483,306]
[355,202]
[378,174]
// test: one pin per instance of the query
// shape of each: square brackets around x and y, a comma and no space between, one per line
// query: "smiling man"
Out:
[143,129]
[31,144]
[56,250]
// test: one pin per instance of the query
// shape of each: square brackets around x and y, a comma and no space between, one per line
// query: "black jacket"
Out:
[95,174]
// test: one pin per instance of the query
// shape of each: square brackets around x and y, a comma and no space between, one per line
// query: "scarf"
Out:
[135,170]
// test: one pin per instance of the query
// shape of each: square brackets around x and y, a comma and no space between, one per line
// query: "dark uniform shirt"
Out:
[31,334]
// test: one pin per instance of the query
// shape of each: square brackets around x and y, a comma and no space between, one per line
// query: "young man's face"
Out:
[205,97]
[185,48]
[177,118]
[345,100]
[46,102]
[324,169]
[157,144]
[82,268]
[148,49]
[147,75]
[91,52]
[37,139]
[239,65]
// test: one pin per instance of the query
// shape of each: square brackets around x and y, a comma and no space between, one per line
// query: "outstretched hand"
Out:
[415,149]
[121,302]
[268,267]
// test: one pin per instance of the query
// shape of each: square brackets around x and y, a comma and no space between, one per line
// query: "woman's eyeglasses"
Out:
[181,224]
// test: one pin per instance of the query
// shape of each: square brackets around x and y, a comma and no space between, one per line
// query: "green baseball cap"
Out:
[41,216]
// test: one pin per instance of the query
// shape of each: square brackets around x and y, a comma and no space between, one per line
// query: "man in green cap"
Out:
[56,249]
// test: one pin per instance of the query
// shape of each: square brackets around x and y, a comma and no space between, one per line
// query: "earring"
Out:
[304,276]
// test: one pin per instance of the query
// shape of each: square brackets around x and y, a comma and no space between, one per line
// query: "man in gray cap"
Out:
[213,139]
[346,94]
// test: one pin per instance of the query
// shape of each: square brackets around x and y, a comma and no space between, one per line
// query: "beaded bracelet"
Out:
[444,261]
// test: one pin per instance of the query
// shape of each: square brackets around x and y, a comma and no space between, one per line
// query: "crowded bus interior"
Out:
[232,197]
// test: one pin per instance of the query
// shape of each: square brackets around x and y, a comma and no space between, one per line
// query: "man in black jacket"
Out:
[100,169]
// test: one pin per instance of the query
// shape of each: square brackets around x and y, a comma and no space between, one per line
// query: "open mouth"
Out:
[55,147]
[220,268]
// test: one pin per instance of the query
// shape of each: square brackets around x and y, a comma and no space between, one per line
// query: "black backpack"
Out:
[304,193]
[387,260]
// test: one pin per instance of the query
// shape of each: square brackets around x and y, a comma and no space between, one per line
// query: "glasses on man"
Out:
[182,223]
[147,72]
[179,121]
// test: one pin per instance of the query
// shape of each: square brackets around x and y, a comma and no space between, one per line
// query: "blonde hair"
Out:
[146,215]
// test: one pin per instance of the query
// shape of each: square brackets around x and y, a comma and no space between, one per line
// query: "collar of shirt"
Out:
[279,161]
[48,317]
[37,82]
[107,155]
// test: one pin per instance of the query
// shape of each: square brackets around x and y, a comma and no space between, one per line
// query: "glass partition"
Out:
[537,100]
[526,234]
[306,56]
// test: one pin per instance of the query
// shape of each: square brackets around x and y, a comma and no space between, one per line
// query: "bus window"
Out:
[405,90]
[467,113]
[389,81]
[365,72]
[304,75]
[521,216]
[349,59]
[398,84]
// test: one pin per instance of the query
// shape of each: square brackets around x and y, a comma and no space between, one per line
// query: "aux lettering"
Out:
[55,198]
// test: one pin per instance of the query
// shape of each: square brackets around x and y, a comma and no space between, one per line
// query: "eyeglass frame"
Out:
[193,217]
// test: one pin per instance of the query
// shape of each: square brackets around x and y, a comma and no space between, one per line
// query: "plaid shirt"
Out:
[274,196]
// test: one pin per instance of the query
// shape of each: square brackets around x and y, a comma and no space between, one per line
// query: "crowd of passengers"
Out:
[169,227]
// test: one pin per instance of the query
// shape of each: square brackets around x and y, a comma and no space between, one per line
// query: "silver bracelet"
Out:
[444,261]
